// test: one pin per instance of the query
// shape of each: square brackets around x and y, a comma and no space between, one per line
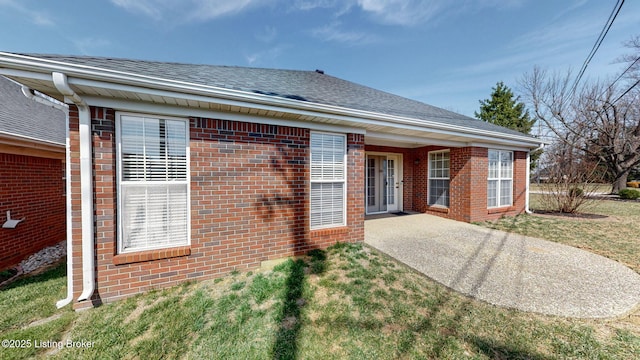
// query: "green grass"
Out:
[600,188]
[348,302]
[611,229]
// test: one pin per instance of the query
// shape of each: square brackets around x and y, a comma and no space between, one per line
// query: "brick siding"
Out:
[31,188]
[468,182]
[249,203]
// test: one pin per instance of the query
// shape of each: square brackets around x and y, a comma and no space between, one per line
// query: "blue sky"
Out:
[447,53]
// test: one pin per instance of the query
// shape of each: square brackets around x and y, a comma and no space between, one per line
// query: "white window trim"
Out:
[119,181]
[429,178]
[344,181]
[499,178]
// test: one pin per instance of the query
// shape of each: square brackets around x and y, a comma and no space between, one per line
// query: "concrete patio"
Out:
[507,270]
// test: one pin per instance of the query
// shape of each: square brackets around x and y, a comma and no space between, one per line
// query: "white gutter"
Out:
[32,96]
[86,183]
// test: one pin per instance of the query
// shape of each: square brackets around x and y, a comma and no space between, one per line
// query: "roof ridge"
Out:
[93,57]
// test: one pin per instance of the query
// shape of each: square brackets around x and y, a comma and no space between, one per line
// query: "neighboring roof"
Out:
[308,86]
[27,118]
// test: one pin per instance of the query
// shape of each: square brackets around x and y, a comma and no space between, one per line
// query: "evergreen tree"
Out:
[504,109]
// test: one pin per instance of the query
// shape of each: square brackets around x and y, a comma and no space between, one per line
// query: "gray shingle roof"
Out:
[25,117]
[308,86]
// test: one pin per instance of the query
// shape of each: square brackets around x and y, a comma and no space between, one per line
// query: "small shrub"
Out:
[633,184]
[576,192]
[629,194]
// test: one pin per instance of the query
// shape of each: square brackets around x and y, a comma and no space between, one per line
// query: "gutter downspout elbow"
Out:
[86,183]
[32,96]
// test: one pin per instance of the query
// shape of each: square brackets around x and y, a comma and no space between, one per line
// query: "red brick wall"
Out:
[249,203]
[31,188]
[468,186]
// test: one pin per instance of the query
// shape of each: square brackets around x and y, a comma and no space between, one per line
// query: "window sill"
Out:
[150,255]
[330,231]
[440,209]
[502,209]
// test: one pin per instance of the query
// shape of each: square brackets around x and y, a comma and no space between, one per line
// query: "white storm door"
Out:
[383,183]
[392,192]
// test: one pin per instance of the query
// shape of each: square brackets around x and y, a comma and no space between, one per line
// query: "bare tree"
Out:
[594,119]
[633,58]
[571,179]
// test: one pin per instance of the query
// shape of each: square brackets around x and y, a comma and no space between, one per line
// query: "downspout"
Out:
[86,183]
[32,96]
[528,177]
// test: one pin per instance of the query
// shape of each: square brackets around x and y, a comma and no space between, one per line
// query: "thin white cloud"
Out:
[262,57]
[189,10]
[306,5]
[339,7]
[402,12]
[89,45]
[335,33]
[144,7]
[413,12]
[210,9]
[37,17]
[269,34]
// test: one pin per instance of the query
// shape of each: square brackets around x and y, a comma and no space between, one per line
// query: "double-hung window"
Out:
[439,178]
[328,180]
[500,180]
[153,181]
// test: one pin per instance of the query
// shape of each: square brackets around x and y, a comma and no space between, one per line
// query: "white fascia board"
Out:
[16,137]
[76,72]
[413,140]
[179,111]
[500,146]
[9,72]
[317,110]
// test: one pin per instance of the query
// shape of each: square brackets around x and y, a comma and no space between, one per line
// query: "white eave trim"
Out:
[36,141]
[181,111]
[117,80]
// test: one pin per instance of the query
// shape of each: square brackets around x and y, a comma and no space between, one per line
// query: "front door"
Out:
[383,183]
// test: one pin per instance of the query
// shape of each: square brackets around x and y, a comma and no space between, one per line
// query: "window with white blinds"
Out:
[328,180]
[500,179]
[153,168]
[439,178]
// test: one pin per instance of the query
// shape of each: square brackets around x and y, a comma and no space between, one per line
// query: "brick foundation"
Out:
[31,188]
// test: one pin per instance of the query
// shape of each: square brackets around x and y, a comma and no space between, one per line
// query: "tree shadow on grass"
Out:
[497,350]
[286,344]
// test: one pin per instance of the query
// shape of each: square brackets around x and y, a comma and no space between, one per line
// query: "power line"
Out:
[623,94]
[620,76]
[596,46]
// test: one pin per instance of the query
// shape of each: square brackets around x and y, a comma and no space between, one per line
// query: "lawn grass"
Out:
[592,187]
[347,302]
[611,229]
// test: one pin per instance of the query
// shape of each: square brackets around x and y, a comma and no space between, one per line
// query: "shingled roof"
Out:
[306,86]
[28,118]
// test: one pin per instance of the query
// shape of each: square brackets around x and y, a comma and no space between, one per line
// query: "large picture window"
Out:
[439,178]
[153,174]
[328,180]
[500,180]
